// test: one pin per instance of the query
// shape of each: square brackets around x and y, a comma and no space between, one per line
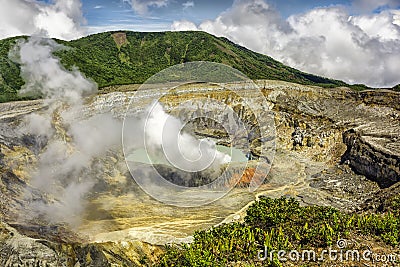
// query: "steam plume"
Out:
[68,165]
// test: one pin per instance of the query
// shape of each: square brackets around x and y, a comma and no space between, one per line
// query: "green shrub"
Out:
[278,224]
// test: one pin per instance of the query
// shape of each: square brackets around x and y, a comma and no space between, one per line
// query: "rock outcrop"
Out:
[376,163]
[20,250]
[367,123]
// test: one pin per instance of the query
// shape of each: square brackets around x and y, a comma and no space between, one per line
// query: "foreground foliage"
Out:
[281,224]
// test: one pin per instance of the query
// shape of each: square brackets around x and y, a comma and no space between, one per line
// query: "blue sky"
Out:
[119,12]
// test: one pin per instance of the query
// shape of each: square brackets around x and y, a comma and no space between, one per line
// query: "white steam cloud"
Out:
[44,74]
[64,167]
[76,144]
[164,138]
[324,41]
[60,19]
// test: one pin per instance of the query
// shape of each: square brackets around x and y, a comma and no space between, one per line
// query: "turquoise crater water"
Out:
[141,156]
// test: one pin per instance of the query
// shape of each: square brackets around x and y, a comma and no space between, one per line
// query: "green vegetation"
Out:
[359,87]
[10,80]
[116,58]
[393,205]
[144,54]
[281,224]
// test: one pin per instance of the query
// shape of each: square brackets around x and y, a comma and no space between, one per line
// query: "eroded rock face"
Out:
[367,122]
[333,147]
[378,164]
[20,250]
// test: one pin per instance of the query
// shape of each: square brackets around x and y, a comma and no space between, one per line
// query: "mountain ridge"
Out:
[127,57]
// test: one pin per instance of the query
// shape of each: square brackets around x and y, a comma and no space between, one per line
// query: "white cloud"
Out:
[141,7]
[60,19]
[183,25]
[98,7]
[396,14]
[324,41]
[381,26]
[188,4]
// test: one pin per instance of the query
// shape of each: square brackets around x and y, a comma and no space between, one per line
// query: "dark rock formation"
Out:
[375,163]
